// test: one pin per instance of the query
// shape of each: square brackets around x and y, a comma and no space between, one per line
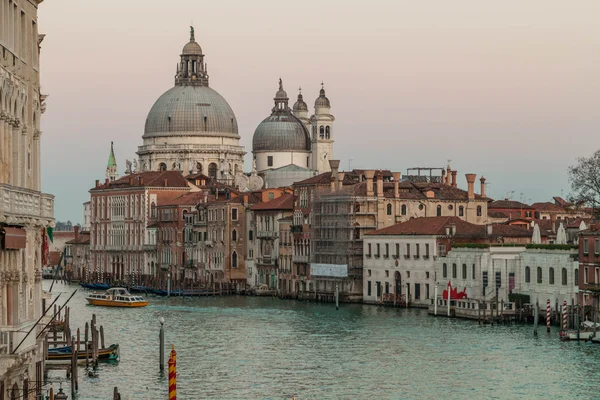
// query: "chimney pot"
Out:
[332,182]
[397,176]
[471,185]
[482,180]
[97,182]
[76,229]
[340,180]
[369,174]
[454,184]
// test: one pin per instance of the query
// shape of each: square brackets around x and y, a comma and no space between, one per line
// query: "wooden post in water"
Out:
[572,319]
[479,312]
[536,318]
[484,310]
[102,337]
[73,370]
[86,348]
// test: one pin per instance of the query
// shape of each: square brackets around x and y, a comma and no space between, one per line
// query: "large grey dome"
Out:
[281,132]
[190,110]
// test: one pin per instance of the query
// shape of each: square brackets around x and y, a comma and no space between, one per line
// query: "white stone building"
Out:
[191,128]
[290,137]
[25,212]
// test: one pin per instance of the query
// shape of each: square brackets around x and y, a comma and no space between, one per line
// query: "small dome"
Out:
[322,101]
[191,110]
[281,132]
[192,49]
[300,105]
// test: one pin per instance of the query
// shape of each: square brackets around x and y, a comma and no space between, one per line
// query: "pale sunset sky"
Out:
[509,89]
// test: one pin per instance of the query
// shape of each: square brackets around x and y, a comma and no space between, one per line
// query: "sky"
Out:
[509,90]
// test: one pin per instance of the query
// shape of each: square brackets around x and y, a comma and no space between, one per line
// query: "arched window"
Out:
[576,277]
[162,167]
[234,260]
[153,210]
[539,274]
[199,167]
[439,211]
[234,235]
[212,171]
[461,211]
[327,132]
[453,271]
[464,271]
[527,275]
[564,276]
[551,276]
[389,209]
[445,270]
[473,272]
[479,211]
[322,131]
[403,208]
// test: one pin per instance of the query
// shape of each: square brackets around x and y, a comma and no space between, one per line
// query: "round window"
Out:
[450,207]
[421,206]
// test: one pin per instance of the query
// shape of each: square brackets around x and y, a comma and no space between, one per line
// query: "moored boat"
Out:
[111,353]
[116,297]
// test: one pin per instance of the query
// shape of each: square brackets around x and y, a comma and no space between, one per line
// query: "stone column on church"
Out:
[23,154]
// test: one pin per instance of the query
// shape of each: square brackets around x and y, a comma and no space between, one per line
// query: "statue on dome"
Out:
[192,39]
[127,167]
[135,165]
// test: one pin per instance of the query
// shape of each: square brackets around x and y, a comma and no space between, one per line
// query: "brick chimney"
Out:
[97,182]
[471,185]
[482,180]
[369,174]
[340,180]
[332,181]
[335,166]
[141,181]
[166,182]
[454,184]
[397,176]
[443,175]
[107,182]
[448,174]
[76,229]
[245,200]
[379,184]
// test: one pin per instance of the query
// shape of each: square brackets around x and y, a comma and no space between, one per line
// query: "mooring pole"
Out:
[337,297]
[162,344]
[435,300]
[536,317]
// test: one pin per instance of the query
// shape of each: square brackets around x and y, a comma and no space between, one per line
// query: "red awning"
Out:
[14,238]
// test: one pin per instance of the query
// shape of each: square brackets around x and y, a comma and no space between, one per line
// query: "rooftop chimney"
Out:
[107,182]
[454,179]
[369,174]
[448,174]
[482,180]
[489,229]
[130,180]
[471,185]
[379,184]
[76,229]
[334,165]
[245,200]
[397,176]
[340,181]
[166,182]
[443,175]
[332,181]
[97,182]
[141,181]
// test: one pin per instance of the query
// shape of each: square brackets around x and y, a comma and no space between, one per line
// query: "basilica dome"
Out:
[281,131]
[190,110]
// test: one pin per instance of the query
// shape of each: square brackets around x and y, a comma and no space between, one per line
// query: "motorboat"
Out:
[116,297]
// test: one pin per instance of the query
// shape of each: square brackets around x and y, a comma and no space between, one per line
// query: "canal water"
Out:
[261,348]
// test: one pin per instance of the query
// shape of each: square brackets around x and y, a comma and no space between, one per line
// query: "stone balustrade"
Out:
[19,204]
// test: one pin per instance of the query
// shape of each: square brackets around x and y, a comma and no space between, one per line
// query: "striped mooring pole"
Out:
[564,321]
[173,374]
[548,312]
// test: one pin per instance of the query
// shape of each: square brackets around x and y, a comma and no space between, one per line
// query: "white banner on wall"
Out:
[330,270]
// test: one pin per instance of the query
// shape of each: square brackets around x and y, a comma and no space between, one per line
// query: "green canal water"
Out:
[261,348]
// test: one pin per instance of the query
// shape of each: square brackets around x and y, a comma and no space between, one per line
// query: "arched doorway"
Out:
[398,283]
[162,167]
[14,392]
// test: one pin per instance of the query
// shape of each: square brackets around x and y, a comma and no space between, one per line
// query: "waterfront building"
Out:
[494,272]
[559,210]
[511,209]
[288,284]
[289,137]
[589,266]
[87,216]
[399,260]
[25,212]
[78,254]
[191,128]
[271,239]
[121,246]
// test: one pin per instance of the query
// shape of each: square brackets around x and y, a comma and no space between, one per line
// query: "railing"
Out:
[206,147]
[266,261]
[267,234]
[300,259]
[209,243]
[11,336]
[25,202]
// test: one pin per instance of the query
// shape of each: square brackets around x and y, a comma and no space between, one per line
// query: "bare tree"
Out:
[584,178]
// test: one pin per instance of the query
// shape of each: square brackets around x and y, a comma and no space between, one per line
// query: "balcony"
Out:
[266,261]
[267,234]
[206,147]
[300,259]
[209,243]
[11,336]
[18,203]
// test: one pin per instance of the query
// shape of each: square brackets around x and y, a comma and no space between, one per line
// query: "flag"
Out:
[50,232]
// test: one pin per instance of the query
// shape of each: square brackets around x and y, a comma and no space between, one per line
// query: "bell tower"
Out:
[111,167]
[322,133]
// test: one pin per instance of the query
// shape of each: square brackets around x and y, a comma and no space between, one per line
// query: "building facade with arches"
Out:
[191,128]
[25,212]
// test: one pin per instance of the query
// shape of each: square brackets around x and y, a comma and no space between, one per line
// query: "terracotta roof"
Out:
[284,202]
[560,201]
[84,238]
[187,199]
[436,226]
[150,179]
[497,214]
[547,206]
[503,204]
[324,179]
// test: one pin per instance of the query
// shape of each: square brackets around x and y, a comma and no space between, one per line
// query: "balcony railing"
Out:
[11,336]
[206,147]
[267,234]
[21,202]
[300,259]
[266,261]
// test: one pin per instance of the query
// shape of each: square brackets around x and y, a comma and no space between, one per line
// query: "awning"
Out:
[14,238]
